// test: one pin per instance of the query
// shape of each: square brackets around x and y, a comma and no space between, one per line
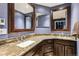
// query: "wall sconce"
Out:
[76,30]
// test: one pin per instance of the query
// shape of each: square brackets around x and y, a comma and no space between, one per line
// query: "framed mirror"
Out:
[61,18]
[21,17]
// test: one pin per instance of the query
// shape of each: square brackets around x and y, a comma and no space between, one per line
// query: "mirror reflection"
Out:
[42,20]
[28,22]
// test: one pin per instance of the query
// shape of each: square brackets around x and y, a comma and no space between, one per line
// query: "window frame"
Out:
[56,22]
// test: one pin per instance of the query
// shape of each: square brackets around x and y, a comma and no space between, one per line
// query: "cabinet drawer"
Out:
[47,41]
[65,42]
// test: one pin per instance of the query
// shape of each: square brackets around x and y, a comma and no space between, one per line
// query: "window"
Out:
[60,24]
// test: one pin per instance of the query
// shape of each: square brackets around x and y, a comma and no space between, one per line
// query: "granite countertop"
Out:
[14,35]
[10,49]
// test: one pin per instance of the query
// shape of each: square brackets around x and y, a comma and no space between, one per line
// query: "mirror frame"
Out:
[57,8]
[11,13]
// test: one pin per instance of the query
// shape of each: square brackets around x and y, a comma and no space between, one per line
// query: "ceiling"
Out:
[60,14]
[26,8]
[23,7]
[49,4]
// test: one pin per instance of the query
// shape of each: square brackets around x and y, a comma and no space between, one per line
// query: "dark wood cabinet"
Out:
[54,47]
[64,48]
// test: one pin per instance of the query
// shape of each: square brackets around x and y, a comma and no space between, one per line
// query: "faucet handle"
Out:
[22,37]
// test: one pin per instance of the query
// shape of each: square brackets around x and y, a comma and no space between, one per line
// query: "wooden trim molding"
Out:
[10,17]
[56,8]
[11,13]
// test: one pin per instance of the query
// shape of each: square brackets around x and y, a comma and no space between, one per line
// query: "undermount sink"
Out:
[25,44]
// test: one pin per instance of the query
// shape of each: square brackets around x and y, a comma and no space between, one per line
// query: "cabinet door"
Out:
[70,51]
[59,49]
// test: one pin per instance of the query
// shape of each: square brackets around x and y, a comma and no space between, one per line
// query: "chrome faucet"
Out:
[20,38]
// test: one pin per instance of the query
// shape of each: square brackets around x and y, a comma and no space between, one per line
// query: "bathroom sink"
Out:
[25,44]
